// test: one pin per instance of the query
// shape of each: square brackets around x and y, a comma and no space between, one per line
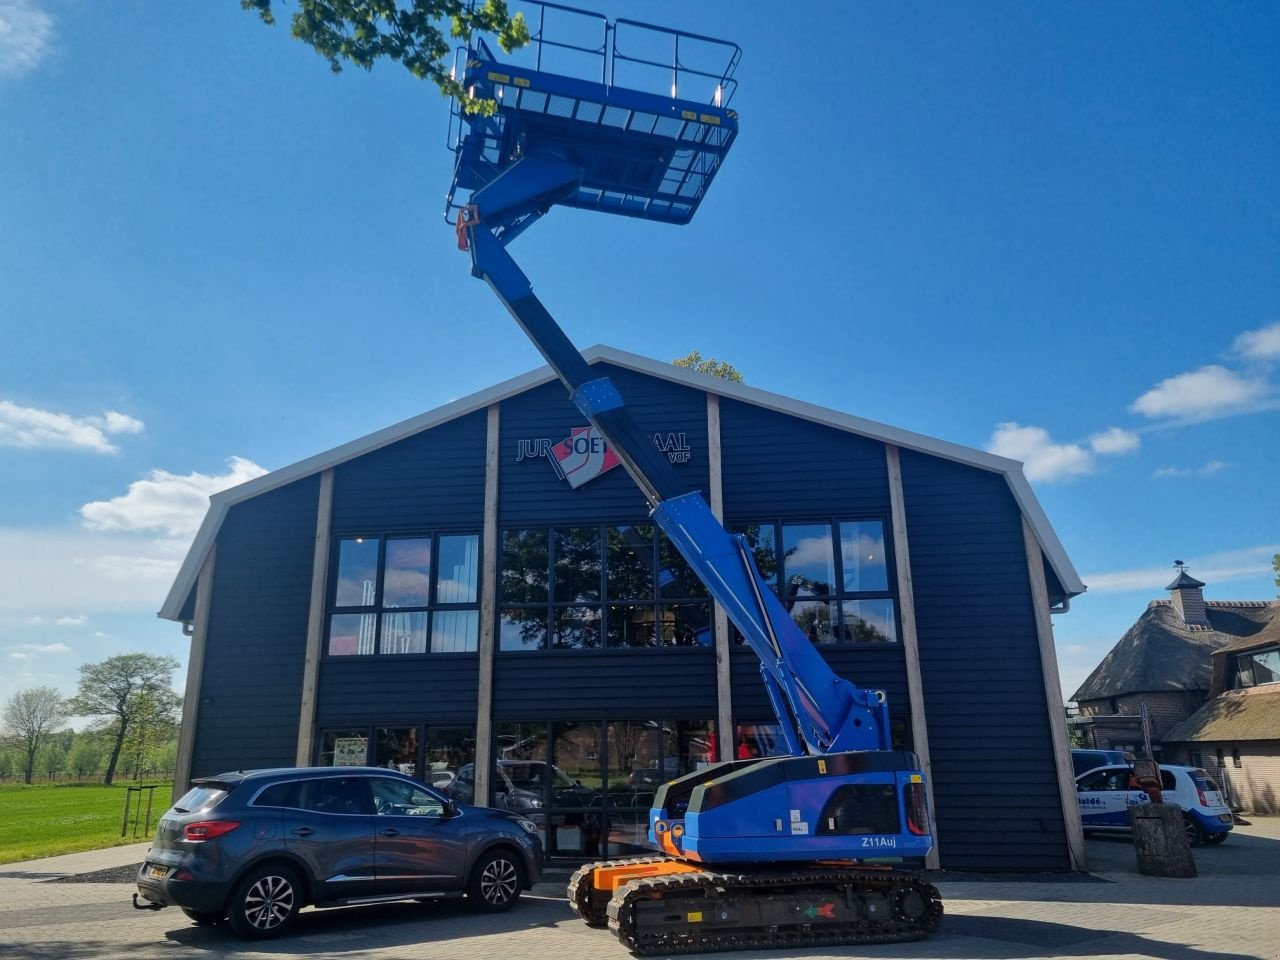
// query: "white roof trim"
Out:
[219,503]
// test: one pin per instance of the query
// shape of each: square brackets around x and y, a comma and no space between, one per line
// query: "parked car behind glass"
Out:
[256,846]
[1106,794]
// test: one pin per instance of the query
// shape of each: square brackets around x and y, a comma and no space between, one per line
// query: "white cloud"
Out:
[26,36]
[79,621]
[1261,344]
[20,656]
[1212,569]
[42,647]
[1206,470]
[166,502]
[103,572]
[1075,649]
[1042,458]
[1114,440]
[34,621]
[1212,391]
[34,429]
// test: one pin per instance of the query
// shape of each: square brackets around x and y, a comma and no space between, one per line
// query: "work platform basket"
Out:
[643,110]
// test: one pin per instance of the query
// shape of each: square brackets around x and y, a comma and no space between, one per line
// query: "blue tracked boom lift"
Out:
[775,851]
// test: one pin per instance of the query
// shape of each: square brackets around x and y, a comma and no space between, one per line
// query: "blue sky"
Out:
[1047,230]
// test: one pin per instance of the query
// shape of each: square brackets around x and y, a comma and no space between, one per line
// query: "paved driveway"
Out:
[1231,911]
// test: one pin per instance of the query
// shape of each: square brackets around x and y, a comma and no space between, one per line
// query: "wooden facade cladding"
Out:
[428,481]
[980,663]
[979,659]
[256,644]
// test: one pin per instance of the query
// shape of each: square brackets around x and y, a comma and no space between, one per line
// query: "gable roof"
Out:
[219,503]
[1160,652]
[1249,714]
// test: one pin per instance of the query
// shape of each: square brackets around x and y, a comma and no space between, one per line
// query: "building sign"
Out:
[585,455]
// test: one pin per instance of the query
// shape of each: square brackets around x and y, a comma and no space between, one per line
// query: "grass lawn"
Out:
[46,819]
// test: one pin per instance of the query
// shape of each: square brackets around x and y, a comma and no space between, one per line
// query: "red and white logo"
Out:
[582,457]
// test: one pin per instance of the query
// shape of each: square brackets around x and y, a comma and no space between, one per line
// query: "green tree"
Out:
[1275,565]
[30,717]
[86,756]
[409,32]
[6,763]
[52,758]
[693,360]
[123,692]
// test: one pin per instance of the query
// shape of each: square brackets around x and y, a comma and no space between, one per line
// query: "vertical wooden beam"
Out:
[195,670]
[724,691]
[1053,699]
[488,607]
[315,621]
[910,639]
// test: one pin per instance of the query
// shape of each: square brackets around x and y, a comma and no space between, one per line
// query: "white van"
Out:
[1106,794]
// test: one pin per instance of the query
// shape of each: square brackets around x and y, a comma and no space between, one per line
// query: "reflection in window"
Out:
[406,581]
[455,631]
[524,566]
[868,621]
[632,626]
[448,750]
[459,569]
[629,562]
[577,564]
[862,559]
[807,553]
[396,748]
[404,633]
[833,597]
[357,572]
[523,628]
[576,628]
[415,585]
[686,625]
[351,634]
[814,618]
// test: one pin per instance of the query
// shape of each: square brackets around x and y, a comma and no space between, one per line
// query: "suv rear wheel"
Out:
[495,882]
[265,902]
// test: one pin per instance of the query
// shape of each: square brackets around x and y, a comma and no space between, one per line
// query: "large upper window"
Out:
[587,587]
[1257,668]
[397,595]
[833,577]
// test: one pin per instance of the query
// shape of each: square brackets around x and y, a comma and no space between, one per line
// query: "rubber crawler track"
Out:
[894,929]
[592,909]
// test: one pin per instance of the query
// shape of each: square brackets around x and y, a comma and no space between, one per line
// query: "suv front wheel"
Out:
[495,882]
[265,902]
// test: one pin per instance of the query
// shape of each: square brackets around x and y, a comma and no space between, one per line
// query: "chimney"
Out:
[1188,599]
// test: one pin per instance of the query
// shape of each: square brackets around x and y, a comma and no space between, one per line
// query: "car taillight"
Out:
[917,809]
[1200,796]
[208,829]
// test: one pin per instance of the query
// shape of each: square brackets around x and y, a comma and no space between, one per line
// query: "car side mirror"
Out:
[450,809]
[577,783]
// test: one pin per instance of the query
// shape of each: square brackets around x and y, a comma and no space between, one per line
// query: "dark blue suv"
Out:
[256,846]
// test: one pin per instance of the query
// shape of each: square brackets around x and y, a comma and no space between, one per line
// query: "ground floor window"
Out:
[588,785]
[434,754]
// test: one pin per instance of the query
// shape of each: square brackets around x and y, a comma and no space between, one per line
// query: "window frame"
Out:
[606,605]
[379,612]
[838,596]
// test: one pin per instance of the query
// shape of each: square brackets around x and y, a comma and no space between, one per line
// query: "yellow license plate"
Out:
[157,873]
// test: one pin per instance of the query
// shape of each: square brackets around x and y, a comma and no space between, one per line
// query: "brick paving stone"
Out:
[1231,911]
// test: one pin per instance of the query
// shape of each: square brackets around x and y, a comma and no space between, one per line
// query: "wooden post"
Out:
[1053,700]
[724,688]
[910,639]
[488,607]
[195,669]
[315,622]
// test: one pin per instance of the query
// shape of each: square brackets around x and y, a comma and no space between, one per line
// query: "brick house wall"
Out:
[1250,771]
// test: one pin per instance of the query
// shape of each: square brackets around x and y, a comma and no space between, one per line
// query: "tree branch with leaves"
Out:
[412,33]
